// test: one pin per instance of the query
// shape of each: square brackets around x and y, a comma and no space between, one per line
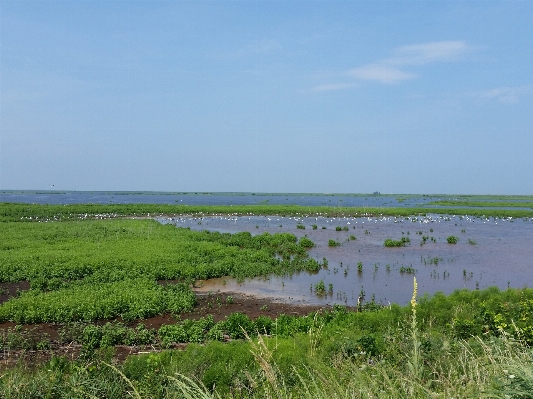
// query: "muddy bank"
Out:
[217,304]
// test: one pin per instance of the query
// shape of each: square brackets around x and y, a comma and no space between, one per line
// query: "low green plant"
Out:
[452,239]
[320,287]
[389,242]
[306,243]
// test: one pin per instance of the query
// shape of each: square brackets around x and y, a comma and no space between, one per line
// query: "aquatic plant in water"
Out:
[452,240]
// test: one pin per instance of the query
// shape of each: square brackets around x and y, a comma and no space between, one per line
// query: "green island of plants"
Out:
[481,204]
[36,212]
[389,242]
[88,270]
[452,239]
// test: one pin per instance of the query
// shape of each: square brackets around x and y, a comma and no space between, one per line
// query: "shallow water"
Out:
[148,197]
[501,256]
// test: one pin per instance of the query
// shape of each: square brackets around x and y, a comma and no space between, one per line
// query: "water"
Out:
[108,197]
[501,256]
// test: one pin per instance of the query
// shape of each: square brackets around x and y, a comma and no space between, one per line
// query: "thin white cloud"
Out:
[394,69]
[506,94]
[261,47]
[333,87]
[381,73]
[425,53]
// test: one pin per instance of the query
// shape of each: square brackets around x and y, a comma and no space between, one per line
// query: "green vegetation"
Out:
[35,212]
[339,228]
[320,288]
[452,240]
[389,242]
[333,243]
[492,204]
[468,344]
[306,243]
[102,269]
[83,269]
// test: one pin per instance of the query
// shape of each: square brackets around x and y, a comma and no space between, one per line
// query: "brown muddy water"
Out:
[490,252]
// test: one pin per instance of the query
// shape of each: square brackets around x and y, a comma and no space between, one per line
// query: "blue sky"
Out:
[267,96]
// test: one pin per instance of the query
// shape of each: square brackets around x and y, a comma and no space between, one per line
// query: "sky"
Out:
[331,96]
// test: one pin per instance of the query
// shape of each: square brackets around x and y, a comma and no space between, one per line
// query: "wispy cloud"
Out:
[396,68]
[333,87]
[425,53]
[260,47]
[393,69]
[381,72]
[505,94]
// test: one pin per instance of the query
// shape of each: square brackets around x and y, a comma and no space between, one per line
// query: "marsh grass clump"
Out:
[320,288]
[305,242]
[389,242]
[333,243]
[452,239]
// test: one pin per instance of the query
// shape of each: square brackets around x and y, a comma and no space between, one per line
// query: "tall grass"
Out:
[498,367]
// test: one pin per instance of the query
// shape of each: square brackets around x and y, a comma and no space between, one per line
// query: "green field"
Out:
[86,270]
[32,212]
[493,204]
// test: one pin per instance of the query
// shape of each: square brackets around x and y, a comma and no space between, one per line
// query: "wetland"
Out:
[166,299]
[490,251]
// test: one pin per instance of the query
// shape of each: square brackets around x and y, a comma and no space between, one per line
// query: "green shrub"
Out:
[172,333]
[397,243]
[237,325]
[452,240]
[306,243]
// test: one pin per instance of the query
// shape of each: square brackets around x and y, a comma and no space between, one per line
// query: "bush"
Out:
[237,324]
[172,333]
[397,243]
[306,243]
[452,240]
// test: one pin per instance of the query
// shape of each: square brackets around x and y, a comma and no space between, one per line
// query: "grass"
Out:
[100,269]
[392,352]
[34,212]
[480,204]
[389,242]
